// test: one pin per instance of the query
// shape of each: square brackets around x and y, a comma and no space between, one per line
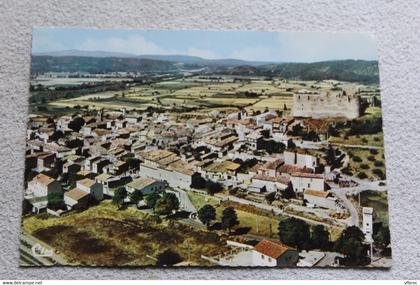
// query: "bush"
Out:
[373,151]
[168,257]
[364,166]
[347,171]
[361,175]
[378,163]
[378,172]
[356,158]
[371,158]
[213,187]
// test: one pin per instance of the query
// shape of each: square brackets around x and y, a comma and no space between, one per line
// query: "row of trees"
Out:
[210,186]
[351,243]
[207,214]
[163,204]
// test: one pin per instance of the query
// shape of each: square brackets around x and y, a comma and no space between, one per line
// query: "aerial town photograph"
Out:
[188,148]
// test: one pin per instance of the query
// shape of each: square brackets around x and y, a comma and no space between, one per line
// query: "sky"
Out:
[253,46]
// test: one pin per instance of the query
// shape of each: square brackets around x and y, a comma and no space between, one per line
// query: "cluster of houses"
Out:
[88,156]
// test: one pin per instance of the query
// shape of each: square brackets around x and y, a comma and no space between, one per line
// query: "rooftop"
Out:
[223,166]
[307,175]
[103,177]
[155,155]
[76,194]
[271,248]
[316,193]
[43,179]
[273,164]
[281,179]
[86,182]
[140,183]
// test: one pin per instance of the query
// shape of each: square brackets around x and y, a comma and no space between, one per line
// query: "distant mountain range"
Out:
[102,62]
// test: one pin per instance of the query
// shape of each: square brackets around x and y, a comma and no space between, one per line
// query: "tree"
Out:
[288,193]
[207,214]
[168,258]
[382,238]
[57,135]
[151,199]
[272,146]
[136,196]
[213,187]
[55,201]
[350,243]
[291,144]
[76,124]
[330,155]
[229,218]
[198,182]
[270,197]
[362,175]
[133,163]
[294,232]
[119,196]
[166,204]
[320,237]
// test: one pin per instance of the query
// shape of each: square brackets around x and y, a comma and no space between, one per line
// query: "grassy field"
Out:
[199,93]
[366,161]
[249,217]
[376,140]
[106,236]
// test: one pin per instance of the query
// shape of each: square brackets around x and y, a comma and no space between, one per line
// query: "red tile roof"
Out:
[271,248]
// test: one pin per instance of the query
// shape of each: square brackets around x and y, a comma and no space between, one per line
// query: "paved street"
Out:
[184,201]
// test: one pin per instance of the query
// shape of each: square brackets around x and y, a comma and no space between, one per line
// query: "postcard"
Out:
[204,148]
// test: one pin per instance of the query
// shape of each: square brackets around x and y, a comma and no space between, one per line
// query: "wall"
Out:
[394,23]
[326,104]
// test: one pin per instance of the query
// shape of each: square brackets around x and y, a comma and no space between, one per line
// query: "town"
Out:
[261,183]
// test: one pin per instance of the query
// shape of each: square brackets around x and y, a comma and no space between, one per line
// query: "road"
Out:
[184,201]
[275,210]
[353,220]
[328,260]
[357,146]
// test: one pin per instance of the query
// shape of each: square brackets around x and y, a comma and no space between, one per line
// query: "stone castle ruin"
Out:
[326,104]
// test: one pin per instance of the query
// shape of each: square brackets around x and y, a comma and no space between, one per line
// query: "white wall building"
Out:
[269,253]
[42,185]
[304,181]
[320,199]
[368,223]
[91,187]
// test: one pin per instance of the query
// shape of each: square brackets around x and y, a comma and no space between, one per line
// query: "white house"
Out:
[320,199]
[145,185]
[76,199]
[91,187]
[254,140]
[303,181]
[270,253]
[42,185]
[300,160]
[272,184]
